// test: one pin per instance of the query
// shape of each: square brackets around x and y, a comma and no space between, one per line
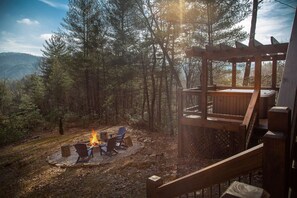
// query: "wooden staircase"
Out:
[211,181]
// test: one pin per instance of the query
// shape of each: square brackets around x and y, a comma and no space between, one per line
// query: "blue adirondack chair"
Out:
[120,138]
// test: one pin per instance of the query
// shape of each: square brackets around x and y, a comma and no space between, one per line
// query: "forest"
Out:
[114,61]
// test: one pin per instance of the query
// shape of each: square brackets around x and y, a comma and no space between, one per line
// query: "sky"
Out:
[275,18]
[26,24]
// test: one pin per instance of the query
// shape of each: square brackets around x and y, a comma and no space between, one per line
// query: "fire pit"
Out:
[94,142]
[96,149]
[93,139]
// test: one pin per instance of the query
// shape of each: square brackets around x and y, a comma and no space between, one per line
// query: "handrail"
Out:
[224,170]
[251,108]
[216,92]
[247,87]
[217,87]
[250,117]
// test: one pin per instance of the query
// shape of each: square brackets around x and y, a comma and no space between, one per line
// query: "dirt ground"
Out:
[25,171]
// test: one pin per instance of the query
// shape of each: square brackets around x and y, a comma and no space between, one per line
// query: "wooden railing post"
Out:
[204,82]
[276,152]
[274,70]
[233,75]
[152,183]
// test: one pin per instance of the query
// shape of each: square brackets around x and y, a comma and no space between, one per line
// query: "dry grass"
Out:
[25,172]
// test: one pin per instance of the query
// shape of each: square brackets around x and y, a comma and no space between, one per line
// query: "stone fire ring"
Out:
[57,159]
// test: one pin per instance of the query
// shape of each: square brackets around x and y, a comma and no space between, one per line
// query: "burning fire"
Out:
[93,139]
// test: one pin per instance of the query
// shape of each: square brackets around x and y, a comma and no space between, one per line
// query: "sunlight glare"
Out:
[181,13]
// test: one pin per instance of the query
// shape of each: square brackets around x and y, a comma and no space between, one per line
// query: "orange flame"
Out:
[93,139]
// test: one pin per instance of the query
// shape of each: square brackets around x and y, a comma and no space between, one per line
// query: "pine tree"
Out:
[55,49]
[121,18]
[216,21]
[56,77]
[82,26]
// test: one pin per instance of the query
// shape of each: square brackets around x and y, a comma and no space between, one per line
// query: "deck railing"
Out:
[190,103]
[221,115]
[272,156]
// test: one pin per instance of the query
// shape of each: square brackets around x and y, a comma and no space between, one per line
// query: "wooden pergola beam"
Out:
[233,53]
[266,57]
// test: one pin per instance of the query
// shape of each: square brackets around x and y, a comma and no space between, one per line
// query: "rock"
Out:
[147,140]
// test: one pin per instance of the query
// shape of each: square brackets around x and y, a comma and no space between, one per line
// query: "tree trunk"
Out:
[251,41]
[210,41]
[153,95]
[87,90]
[247,72]
[61,129]
[168,97]
[160,94]
[253,22]
[146,93]
[159,41]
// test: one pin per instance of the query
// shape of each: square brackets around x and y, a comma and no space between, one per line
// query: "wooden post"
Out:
[65,150]
[257,86]
[276,152]
[233,74]
[152,184]
[128,141]
[203,103]
[258,72]
[274,70]
[279,120]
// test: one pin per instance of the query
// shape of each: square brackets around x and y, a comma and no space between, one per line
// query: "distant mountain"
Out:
[15,66]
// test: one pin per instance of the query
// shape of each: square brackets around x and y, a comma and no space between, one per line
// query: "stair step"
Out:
[239,189]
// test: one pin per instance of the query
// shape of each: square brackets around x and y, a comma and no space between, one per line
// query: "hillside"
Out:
[14,66]
[25,171]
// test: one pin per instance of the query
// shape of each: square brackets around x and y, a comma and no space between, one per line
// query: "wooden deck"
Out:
[228,110]
[227,103]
